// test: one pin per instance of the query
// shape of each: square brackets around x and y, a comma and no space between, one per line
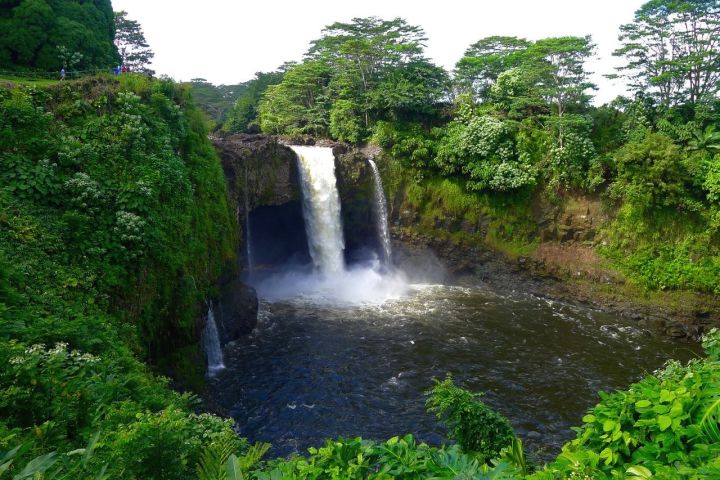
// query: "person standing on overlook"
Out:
[62,74]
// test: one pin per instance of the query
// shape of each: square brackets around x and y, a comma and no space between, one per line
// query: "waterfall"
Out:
[381,218]
[321,208]
[211,344]
[248,236]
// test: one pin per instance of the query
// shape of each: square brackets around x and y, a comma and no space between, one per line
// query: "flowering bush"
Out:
[84,192]
[483,148]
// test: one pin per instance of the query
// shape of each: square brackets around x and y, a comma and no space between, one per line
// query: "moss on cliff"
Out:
[443,207]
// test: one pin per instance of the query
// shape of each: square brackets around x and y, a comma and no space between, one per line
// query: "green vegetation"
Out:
[114,227]
[233,108]
[243,116]
[664,427]
[46,35]
[215,100]
[472,424]
[357,74]
[515,127]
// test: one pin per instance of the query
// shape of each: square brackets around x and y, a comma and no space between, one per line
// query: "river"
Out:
[317,369]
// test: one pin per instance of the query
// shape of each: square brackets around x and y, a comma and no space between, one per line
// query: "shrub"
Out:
[651,173]
[483,148]
[665,425]
[114,224]
[475,426]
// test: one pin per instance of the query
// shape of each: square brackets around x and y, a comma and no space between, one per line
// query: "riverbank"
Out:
[560,248]
[569,274]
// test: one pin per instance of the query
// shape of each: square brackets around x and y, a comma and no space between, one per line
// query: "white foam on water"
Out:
[361,285]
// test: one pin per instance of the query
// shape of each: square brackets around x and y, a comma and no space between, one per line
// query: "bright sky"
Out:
[227,41]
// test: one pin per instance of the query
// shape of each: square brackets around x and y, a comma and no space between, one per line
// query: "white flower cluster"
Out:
[129,229]
[487,137]
[144,189]
[85,192]
[128,101]
[576,149]
[60,350]
[510,175]
[129,226]
[132,123]
[37,348]
[46,165]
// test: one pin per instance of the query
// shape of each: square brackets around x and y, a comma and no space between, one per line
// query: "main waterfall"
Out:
[321,207]
[331,282]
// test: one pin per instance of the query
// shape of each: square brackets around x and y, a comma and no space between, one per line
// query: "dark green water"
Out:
[315,369]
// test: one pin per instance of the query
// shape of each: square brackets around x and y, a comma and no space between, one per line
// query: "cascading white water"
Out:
[381,218]
[211,344]
[331,283]
[321,207]
[248,236]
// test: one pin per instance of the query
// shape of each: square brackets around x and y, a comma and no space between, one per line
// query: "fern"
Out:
[515,455]
[219,462]
[710,423]
[211,465]
[253,456]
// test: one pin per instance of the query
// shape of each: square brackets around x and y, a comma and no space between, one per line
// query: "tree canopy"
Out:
[130,41]
[672,50]
[356,74]
[242,117]
[47,35]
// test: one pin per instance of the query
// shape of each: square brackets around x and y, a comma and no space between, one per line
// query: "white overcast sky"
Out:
[227,41]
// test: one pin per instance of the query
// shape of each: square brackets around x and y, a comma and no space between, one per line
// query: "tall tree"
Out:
[243,115]
[485,60]
[369,46]
[49,34]
[558,66]
[672,48]
[130,41]
[299,104]
[356,74]
[363,54]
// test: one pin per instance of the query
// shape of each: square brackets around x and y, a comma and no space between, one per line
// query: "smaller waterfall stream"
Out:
[381,218]
[211,344]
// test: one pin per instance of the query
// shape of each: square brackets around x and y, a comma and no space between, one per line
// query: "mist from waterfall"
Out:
[381,217]
[211,344]
[321,208]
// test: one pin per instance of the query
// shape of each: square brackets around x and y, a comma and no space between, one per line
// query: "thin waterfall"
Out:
[381,217]
[211,344]
[248,236]
[321,208]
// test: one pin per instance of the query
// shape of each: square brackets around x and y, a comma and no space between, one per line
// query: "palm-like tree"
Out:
[705,141]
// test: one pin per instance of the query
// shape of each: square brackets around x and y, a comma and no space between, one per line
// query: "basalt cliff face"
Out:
[263,178]
[263,166]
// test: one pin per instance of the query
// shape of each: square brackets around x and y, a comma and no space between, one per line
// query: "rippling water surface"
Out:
[316,369]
